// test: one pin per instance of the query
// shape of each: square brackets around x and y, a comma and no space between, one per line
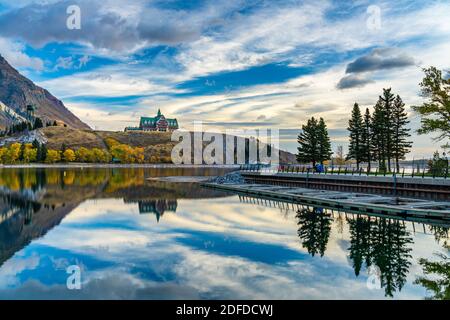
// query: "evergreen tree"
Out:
[21,154]
[314,229]
[325,152]
[308,151]
[387,101]
[400,145]
[38,123]
[355,127]
[366,139]
[378,136]
[314,142]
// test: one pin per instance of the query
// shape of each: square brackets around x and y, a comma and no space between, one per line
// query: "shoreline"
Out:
[112,165]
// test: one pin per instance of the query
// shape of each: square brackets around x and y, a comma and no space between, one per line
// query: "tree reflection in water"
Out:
[384,243]
[380,242]
[314,229]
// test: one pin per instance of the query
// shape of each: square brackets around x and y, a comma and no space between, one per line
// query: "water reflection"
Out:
[137,237]
[314,229]
[384,243]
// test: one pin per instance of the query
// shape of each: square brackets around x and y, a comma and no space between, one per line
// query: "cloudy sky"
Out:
[231,64]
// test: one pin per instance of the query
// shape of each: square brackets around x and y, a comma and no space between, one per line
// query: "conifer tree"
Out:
[355,127]
[378,143]
[387,102]
[400,145]
[366,139]
[308,151]
[325,152]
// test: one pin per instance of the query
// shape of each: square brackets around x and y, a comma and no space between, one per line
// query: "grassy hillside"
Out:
[154,143]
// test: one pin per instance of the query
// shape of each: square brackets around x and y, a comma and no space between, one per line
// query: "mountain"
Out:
[16,92]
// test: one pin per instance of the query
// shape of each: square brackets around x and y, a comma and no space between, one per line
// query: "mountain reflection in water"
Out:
[200,243]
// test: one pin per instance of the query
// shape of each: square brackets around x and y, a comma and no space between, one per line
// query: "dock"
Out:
[392,185]
[346,201]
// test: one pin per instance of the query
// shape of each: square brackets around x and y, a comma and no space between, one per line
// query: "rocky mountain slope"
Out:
[16,92]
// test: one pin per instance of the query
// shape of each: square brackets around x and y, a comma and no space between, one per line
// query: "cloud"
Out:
[64,63]
[380,59]
[13,52]
[377,60]
[353,81]
[71,62]
[106,27]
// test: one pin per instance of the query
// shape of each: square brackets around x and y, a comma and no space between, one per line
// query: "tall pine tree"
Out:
[366,139]
[400,143]
[378,130]
[308,151]
[314,142]
[325,152]
[355,127]
[387,101]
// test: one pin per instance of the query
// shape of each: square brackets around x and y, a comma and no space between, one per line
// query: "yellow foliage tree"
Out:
[12,154]
[100,155]
[53,156]
[138,154]
[123,153]
[29,153]
[82,154]
[69,155]
[2,154]
[111,142]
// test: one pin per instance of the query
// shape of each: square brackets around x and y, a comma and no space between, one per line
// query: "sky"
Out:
[231,64]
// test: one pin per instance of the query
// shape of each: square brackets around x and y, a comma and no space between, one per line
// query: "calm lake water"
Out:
[136,237]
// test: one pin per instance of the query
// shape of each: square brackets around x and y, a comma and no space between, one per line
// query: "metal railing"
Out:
[343,170]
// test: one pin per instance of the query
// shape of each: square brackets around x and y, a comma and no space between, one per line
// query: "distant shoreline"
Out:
[112,165]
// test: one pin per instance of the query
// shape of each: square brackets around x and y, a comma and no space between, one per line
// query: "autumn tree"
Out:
[29,154]
[69,155]
[53,156]
[82,154]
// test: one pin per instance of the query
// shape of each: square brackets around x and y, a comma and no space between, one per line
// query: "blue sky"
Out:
[233,63]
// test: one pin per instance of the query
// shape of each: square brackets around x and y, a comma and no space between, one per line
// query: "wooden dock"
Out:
[346,201]
[417,187]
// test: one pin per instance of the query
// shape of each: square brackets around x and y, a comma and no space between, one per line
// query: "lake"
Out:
[142,233]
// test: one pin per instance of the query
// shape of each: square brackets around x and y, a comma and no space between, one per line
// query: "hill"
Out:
[153,142]
[16,92]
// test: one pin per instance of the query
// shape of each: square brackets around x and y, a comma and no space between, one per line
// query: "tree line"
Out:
[39,153]
[27,126]
[383,135]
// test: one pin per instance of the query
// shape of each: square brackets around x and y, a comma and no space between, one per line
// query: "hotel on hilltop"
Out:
[157,123]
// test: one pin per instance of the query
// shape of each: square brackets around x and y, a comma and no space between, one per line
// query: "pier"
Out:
[347,201]
[392,185]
